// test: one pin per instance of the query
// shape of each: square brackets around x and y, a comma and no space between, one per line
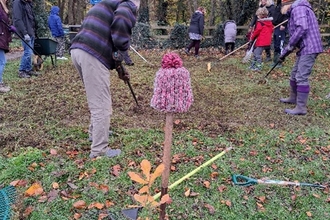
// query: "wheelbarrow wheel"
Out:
[37,63]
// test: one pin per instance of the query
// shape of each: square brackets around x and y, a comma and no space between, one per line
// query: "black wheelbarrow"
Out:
[44,47]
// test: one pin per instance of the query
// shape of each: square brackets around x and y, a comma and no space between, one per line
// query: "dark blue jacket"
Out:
[55,23]
[197,23]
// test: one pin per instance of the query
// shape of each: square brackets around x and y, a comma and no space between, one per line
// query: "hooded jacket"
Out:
[270,8]
[23,18]
[303,29]
[106,28]
[55,23]
[5,36]
[230,28]
[263,32]
[197,23]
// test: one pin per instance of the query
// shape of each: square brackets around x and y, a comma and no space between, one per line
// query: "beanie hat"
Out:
[287,2]
[136,2]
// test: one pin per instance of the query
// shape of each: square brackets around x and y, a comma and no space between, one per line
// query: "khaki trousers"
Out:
[96,79]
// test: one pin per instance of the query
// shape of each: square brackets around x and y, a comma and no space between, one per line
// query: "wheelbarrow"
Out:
[44,47]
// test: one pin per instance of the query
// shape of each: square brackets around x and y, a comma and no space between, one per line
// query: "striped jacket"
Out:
[107,27]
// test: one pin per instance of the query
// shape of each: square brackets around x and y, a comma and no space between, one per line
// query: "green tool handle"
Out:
[241,180]
[195,171]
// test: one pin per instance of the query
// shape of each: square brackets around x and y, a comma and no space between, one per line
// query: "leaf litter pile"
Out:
[49,114]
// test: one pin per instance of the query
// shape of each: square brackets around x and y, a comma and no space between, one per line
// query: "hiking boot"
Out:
[32,73]
[186,51]
[4,88]
[23,74]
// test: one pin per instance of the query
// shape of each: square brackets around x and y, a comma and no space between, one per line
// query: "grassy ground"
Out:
[43,139]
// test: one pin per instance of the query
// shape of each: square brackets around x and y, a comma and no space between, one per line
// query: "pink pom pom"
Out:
[171,60]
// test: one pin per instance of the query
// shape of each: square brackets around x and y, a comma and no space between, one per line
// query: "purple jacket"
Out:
[303,29]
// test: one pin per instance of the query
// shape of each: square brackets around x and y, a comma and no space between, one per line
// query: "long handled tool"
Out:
[141,56]
[249,53]
[132,213]
[264,80]
[241,180]
[7,198]
[24,41]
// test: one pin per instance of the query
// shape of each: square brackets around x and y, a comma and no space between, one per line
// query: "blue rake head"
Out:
[7,198]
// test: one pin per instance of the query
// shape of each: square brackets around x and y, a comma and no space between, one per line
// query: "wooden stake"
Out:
[166,160]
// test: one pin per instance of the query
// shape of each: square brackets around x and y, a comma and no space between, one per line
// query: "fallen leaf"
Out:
[52,195]
[309,214]
[102,216]
[104,188]
[222,188]
[53,152]
[116,170]
[214,166]
[55,185]
[177,121]
[207,184]
[77,216]
[214,175]
[96,205]
[187,193]
[228,203]
[210,208]
[34,190]
[28,211]
[262,199]
[81,204]
[73,186]
[108,203]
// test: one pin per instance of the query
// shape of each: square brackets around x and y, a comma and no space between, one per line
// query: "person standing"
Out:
[230,29]
[5,38]
[56,28]
[262,35]
[98,47]
[269,5]
[279,32]
[24,21]
[196,30]
[305,36]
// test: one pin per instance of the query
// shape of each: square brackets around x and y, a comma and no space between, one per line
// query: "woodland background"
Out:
[169,12]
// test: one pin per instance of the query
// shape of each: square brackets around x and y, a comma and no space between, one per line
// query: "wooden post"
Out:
[166,160]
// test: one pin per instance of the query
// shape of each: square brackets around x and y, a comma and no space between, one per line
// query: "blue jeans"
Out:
[2,63]
[26,59]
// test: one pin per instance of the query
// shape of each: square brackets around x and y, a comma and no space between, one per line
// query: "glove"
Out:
[286,53]
[122,72]
[12,29]
[27,38]
[117,56]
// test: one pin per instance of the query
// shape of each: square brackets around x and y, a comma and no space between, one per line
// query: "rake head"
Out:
[7,198]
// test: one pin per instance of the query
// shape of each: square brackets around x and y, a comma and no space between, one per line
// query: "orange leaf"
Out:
[102,216]
[142,199]
[210,208]
[309,214]
[116,169]
[108,203]
[77,216]
[146,167]
[222,188]
[81,204]
[144,189]
[228,203]
[158,172]
[137,178]
[96,205]
[34,190]
[187,193]
[165,199]
[207,184]
[55,185]
[104,188]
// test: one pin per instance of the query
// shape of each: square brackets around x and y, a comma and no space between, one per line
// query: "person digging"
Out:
[172,94]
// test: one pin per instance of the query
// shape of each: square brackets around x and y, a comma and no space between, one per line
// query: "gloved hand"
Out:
[286,53]
[122,72]
[27,37]
[12,28]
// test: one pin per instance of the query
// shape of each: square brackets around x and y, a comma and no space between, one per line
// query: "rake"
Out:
[241,180]
[249,53]
[7,198]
